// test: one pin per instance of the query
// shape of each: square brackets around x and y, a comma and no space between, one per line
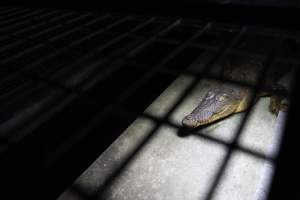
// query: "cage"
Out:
[93,95]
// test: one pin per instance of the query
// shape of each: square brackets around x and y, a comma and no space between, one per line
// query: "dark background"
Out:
[282,14]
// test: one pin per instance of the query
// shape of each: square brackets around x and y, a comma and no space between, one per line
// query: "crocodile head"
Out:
[218,103]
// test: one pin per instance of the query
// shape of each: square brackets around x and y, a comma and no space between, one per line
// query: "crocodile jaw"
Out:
[190,121]
[218,103]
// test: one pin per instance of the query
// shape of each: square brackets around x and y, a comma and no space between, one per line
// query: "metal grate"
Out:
[67,75]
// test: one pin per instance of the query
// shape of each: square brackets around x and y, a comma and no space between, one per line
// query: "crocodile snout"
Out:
[218,103]
[189,122]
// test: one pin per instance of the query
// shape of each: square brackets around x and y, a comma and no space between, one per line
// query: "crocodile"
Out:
[225,99]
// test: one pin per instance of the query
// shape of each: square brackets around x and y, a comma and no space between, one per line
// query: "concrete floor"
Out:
[172,167]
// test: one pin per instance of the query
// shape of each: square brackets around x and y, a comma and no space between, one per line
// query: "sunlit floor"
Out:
[199,166]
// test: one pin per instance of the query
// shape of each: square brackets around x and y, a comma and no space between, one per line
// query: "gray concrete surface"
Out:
[169,167]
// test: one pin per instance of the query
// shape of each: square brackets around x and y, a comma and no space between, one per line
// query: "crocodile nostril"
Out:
[189,117]
[189,122]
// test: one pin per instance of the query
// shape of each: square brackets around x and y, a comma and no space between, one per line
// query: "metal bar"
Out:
[234,142]
[57,37]
[207,137]
[118,38]
[70,67]
[47,115]
[31,27]
[20,54]
[114,68]
[13,26]
[17,13]
[97,19]
[193,44]
[218,56]
[31,14]
[122,36]
[9,10]
[108,109]
[5,21]
[64,100]
[46,15]
[24,114]
[56,53]
[44,31]
[98,119]
[61,86]
[61,17]
[78,18]
[11,45]
[195,73]
[70,99]
[116,64]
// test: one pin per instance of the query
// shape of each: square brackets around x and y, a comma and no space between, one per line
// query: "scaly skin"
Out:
[218,103]
[224,100]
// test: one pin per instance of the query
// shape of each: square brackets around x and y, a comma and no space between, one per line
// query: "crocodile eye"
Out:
[220,98]
[209,94]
